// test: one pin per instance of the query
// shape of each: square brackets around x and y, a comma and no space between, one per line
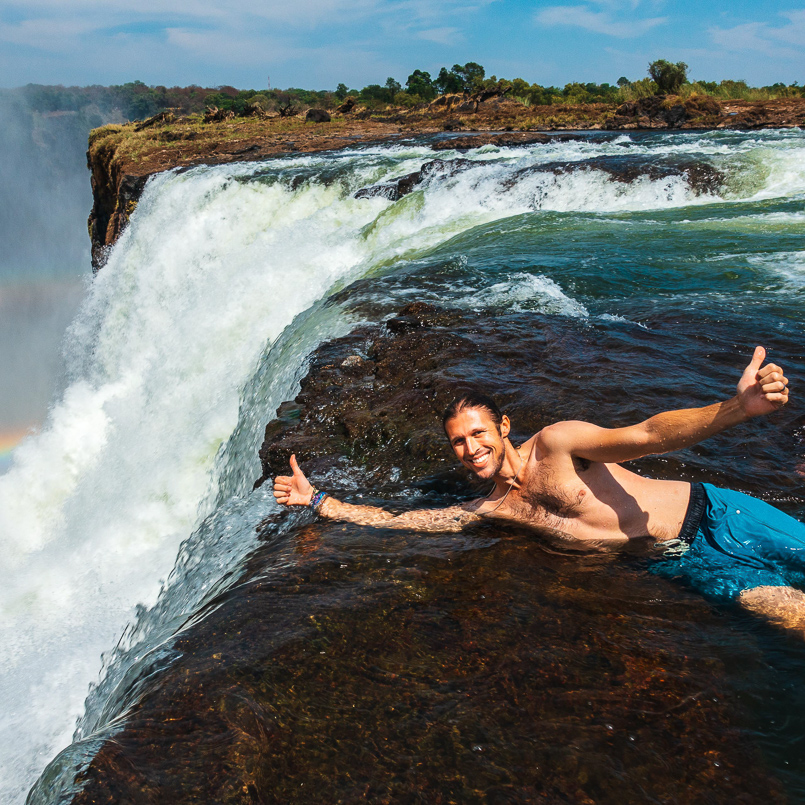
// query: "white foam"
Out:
[789,266]
[614,317]
[521,292]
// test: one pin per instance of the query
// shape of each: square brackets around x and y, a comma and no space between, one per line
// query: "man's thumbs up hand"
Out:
[762,389]
[294,490]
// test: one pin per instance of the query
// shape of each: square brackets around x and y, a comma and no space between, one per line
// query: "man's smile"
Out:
[480,459]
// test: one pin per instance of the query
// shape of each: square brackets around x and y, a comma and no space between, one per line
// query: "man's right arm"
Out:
[296,490]
[761,390]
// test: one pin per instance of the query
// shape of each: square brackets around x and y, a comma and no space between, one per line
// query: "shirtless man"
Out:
[567,483]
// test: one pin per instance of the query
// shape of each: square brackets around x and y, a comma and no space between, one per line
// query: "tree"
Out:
[471,75]
[420,83]
[623,81]
[465,78]
[447,82]
[341,91]
[520,88]
[374,92]
[668,77]
[393,87]
[575,92]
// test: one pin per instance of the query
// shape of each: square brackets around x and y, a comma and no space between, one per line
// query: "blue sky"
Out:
[319,43]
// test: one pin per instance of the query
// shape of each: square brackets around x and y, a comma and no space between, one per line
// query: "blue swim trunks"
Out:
[735,542]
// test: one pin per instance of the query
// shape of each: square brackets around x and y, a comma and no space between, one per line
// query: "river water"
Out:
[133,507]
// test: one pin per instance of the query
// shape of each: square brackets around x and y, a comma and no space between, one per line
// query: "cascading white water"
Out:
[191,336]
[94,510]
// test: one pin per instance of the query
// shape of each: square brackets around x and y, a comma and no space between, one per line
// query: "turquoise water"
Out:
[133,507]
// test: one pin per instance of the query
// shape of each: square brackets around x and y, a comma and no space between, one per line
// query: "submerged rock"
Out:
[437,168]
[391,668]
[470,141]
[701,177]
[350,664]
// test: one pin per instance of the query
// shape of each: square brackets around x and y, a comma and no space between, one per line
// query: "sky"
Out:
[317,44]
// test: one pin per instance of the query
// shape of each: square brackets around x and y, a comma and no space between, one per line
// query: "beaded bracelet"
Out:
[316,499]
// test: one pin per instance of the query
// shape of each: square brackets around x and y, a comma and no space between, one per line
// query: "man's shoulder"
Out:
[557,430]
[564,436]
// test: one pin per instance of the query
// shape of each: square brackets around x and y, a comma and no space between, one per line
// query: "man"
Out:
[567,483]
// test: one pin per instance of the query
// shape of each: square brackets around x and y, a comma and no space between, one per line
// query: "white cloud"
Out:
[794,32]
[238,33]
[49,35]
[422,10]
[760,37]
[232,48]
[301,13]
[442,36]
[607,22]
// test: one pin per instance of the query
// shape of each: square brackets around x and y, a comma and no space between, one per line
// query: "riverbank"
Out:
[121,158]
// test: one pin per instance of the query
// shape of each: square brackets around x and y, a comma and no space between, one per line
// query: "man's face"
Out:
[477,442]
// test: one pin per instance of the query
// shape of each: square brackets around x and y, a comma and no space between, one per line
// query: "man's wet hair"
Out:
[472,399]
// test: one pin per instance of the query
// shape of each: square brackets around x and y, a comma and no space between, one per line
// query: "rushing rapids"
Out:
[134,509]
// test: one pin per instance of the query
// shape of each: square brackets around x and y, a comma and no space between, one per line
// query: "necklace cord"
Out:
[511,485]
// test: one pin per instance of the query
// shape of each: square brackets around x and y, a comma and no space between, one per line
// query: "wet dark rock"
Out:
[346,107]
[317,116]
[369,403]
[660,111]
[469,141]
[437,168]
[113,204]
[702,177]
[380,416]
[350,664]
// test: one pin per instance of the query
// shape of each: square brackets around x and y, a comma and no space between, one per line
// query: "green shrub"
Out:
[667,76]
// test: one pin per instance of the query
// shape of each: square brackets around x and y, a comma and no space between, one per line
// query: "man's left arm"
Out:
[761,390]
[296,490]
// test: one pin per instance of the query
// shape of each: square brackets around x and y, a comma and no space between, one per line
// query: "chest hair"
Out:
[542,501]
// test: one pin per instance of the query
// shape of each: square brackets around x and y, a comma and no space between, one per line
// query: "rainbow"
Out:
[9,439]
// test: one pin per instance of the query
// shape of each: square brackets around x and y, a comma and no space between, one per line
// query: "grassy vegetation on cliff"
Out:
[190,136]
[136,100]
